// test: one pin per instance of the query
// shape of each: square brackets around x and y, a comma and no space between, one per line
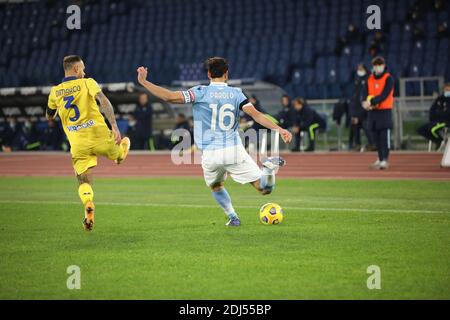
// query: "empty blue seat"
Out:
[275,40]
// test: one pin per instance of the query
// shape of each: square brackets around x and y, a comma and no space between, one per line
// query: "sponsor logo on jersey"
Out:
[78,127]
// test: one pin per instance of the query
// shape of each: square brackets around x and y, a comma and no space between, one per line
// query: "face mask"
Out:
[447,94]
[378,69]
[361,73]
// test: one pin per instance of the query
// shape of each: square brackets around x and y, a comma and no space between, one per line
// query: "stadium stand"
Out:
[305,47]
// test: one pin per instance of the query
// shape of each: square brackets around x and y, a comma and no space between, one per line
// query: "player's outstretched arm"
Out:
[107,108]
[264,121]
[160,92]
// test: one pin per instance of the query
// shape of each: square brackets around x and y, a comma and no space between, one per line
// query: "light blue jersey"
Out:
[216,115]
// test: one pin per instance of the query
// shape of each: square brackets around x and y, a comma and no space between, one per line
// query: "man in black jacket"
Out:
[144,118]
[287,114]
[30,135]
[358,115]
[439,118]
[306,120]
[11,136]
[52,137]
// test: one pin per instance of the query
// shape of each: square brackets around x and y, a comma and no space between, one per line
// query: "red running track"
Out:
[338,165]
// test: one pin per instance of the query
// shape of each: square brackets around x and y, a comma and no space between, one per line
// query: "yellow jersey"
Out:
[74,100]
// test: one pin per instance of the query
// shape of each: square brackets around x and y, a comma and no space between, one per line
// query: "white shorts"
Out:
[234,160]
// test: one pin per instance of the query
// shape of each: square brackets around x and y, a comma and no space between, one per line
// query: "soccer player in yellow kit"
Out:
[74,99]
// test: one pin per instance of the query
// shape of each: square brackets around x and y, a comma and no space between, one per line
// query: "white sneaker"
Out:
[376,164]
[273,162]
[384,165]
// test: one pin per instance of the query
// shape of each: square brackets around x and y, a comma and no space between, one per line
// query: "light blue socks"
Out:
[223,199]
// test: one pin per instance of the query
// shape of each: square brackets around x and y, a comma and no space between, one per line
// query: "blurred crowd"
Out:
[30,135]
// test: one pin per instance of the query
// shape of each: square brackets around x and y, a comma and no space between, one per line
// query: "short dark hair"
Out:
[216,66]
[361,64]
[69,61]
[300,100]
[378,60]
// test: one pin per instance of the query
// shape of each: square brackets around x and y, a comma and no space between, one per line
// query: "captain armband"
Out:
[188,96]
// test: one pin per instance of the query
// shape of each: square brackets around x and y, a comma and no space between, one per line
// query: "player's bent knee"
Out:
[217,186]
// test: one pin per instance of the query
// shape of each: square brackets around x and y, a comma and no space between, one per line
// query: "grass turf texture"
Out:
[166,239]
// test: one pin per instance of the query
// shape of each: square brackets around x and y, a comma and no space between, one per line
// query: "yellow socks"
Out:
[86,193]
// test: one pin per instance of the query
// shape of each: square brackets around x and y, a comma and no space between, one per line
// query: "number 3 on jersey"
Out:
[225,111]
[69,105]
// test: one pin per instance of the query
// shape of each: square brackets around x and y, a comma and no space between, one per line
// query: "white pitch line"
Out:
[137,204]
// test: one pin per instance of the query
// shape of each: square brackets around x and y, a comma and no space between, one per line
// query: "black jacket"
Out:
[144,117]
[52,137]
[340,109]
[12,136]
[440,110]
[306,117]
[355,108]
[286,117]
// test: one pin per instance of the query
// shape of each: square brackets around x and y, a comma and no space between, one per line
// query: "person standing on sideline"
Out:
[144,123]
[378,100]
[358,115]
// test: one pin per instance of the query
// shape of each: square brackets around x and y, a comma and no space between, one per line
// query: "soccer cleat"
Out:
[384,165]
[125,144]
[233,222]
[273,162]
[88,221]
[376,165]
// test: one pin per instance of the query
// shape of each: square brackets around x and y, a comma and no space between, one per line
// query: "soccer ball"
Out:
[271,213]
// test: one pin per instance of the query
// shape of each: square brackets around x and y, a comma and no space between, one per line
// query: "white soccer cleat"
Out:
[273,162]
[384,165]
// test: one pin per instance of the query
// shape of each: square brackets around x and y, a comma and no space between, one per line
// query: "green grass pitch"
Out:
[165,239]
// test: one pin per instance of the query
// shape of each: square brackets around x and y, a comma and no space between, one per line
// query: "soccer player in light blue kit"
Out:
[216,110]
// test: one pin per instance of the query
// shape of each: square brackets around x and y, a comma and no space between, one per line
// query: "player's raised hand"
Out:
[142,74]
[285,135]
